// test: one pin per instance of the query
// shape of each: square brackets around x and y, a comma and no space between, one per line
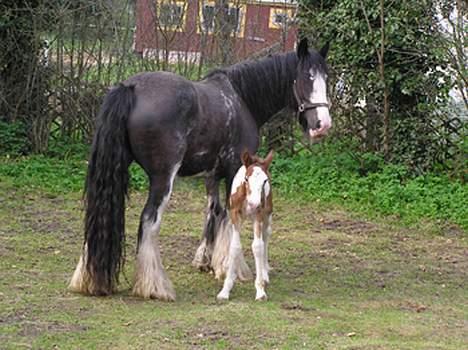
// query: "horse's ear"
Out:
[246,158]
[268,159]
[324,50]
[303,48]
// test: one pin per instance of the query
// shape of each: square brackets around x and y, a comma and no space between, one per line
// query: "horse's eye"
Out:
[246,179]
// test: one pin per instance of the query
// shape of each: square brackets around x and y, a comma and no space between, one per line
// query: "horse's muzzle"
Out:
[319,122]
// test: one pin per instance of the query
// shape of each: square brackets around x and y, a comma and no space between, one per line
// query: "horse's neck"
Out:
[265,85]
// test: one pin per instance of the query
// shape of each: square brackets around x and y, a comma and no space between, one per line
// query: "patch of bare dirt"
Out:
[199,338]
[351,227]
[179,248]
[32,329]
[295,306]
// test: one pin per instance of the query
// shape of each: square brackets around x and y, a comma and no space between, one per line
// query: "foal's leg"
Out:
[235,250]
[258,249]
[243,271]
[214,211]
[151,280]
[266,237]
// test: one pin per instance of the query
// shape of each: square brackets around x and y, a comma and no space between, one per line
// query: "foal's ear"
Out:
[268,159]
[324,50]
[303,48]
[246,158]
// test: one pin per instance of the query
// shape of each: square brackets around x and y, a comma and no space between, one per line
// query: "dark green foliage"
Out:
[419,127]
[331,175]
[13,139]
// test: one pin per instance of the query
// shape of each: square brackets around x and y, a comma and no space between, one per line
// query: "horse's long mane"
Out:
[265,85]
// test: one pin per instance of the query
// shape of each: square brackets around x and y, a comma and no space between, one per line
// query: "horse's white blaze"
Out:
[319,95]
[258,186]
[151,280]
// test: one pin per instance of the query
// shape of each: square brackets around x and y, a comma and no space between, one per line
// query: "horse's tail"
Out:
[105,191]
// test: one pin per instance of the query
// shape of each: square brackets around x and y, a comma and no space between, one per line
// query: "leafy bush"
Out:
[332,175]
[13,139]
[63,147]
[57,175]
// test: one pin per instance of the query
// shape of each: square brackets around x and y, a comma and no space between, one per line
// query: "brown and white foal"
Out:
[250,197]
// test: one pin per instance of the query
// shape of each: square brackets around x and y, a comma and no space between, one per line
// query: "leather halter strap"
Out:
[304,105]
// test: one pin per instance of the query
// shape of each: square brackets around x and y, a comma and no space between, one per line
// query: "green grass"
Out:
[329,175]
[333,176]
[339,281]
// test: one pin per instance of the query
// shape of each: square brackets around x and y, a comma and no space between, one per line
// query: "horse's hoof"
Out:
[163,293]
[203,267]
[222,296]
[261,297]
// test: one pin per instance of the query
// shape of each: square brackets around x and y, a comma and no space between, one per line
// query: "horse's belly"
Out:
[198,163]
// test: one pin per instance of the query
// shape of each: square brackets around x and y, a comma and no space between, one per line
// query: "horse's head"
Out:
[257,180]
[310,90]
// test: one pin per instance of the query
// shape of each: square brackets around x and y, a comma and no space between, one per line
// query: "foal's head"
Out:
[257,180]
[310,90]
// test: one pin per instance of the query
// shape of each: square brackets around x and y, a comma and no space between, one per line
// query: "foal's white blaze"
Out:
[319,95]
[259,187]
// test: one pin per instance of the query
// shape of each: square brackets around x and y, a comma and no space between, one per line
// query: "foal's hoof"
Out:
[261,297]
[222,296]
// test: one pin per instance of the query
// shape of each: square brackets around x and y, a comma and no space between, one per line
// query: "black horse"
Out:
[172,126]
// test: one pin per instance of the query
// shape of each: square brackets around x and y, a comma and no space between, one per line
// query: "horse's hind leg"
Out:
[214,213]
[151,280]
[223,240]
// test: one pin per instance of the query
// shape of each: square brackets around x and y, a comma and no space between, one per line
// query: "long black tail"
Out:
[105,191]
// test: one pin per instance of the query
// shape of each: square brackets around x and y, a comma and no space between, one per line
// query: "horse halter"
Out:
[304,105]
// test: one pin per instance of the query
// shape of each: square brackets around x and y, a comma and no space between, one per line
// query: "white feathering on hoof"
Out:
[151,280]
[219,261]
[81,281]
[78,282]
[203,255]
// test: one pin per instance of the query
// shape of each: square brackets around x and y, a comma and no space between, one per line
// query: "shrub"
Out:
[13,139]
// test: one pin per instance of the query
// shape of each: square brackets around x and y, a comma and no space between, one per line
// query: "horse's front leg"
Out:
[258,249]
[235,251]
[214,214]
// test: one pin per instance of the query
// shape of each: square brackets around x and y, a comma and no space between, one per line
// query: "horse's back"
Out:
[161,94]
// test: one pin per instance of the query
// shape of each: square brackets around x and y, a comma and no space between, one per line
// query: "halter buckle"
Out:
[301,107]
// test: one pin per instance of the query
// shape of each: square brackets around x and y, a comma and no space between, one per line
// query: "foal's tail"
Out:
[105,192]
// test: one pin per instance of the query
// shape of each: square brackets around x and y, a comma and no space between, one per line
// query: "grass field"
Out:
[338,282]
